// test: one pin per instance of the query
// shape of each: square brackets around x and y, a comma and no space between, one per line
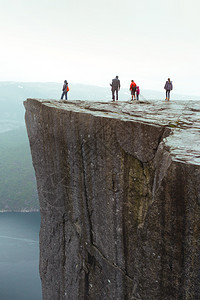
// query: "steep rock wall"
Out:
[119,207]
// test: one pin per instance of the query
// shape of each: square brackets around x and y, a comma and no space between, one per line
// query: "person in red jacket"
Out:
[133,89]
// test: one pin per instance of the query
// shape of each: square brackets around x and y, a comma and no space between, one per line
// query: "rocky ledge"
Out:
[119,191]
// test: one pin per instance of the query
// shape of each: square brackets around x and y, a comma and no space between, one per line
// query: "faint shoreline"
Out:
[22,210]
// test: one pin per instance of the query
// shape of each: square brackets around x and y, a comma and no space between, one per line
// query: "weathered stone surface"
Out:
[119,191]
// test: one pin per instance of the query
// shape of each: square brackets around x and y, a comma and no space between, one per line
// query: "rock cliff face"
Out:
[119,191]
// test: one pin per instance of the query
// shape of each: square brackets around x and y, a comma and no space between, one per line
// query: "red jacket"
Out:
[133,85]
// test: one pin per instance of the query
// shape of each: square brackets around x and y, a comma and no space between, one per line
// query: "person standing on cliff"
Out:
[168,87]
[137,92]
[65,90]
[133,89]
[115,87]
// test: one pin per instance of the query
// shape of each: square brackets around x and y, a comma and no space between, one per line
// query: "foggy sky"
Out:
[92,41]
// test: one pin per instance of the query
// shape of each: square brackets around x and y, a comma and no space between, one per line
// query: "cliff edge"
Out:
[119,192]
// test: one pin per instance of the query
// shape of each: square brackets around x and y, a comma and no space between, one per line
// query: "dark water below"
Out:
[19,256]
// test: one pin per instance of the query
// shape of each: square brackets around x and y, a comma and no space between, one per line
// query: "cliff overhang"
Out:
[118,185]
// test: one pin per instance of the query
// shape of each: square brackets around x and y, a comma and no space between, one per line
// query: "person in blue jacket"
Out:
[168,87]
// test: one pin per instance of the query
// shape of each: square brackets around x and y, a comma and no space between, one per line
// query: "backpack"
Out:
[67,89]
[133,86]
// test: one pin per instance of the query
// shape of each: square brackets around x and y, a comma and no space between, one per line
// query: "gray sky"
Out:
[92,41]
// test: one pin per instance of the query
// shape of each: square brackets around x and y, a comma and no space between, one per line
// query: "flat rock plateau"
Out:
[119,192]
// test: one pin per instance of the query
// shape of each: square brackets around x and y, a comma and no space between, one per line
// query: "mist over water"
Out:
[19,256]
[8,125]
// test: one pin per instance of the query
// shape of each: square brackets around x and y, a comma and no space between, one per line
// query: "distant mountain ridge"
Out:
[16,92]
[18,190]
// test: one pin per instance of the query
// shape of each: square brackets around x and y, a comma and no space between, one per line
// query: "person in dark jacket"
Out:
[168,87]
[115,87]
[65,90]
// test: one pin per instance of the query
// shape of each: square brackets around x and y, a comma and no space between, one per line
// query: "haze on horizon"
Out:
[92,41]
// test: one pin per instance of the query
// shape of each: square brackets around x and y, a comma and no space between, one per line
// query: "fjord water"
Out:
[19,256]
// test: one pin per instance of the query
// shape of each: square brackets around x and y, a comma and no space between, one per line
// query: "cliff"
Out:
[119,192]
